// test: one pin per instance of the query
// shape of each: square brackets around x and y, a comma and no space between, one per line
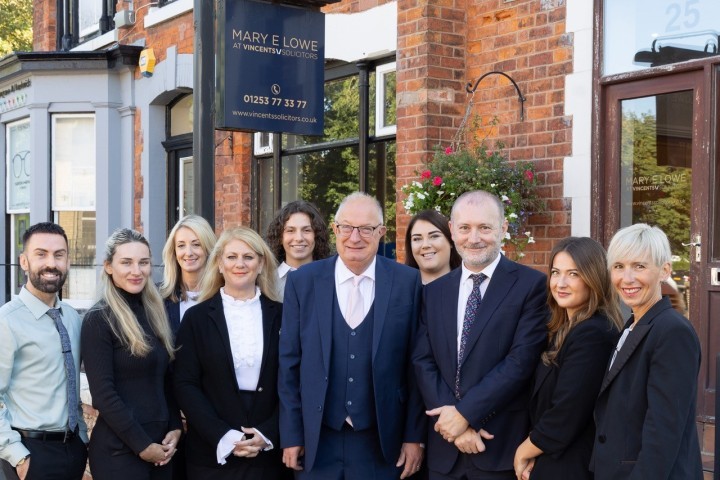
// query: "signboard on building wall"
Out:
[270,68]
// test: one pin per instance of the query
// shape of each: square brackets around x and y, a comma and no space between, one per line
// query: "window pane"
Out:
[342,108]
[80,230]
[656,174]
[73,162]
[89,13]
[323,178]
[265,193]
[18,166]
[645,33]
[382,185]
[181,116]
[20,223]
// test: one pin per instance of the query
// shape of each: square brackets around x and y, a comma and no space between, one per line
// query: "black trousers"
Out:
[464,469]
[52,460]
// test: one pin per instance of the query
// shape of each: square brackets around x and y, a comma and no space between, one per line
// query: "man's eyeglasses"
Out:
[347,230]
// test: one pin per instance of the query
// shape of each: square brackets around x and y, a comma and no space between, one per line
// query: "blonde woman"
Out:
[184,257]
[127,347]
[227,364]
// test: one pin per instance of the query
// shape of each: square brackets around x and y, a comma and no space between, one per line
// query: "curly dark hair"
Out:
[439,220]
[274,234]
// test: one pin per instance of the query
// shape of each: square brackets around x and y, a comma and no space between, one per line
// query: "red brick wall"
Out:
[44,26]
[443,46]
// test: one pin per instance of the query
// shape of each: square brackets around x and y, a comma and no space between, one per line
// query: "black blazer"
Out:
[645,413]
[503,349]
[207,390]
[563,399]
[173,313]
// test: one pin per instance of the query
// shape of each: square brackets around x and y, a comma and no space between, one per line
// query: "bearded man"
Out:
[41,421]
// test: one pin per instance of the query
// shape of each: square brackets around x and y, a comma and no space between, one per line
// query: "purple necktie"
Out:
[471,309]
[72,395]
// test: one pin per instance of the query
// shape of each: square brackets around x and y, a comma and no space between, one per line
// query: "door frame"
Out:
[701,77]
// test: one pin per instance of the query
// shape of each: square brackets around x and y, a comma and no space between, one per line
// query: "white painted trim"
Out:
[361,36]
[98,42]
[577,172]
[380,72]
[158,15]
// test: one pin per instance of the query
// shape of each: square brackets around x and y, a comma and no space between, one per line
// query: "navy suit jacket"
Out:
[207,389]
[305,344]
[645,412]
[505,344]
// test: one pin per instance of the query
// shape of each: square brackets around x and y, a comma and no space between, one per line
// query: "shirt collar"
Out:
[228,300]
[488,271]
[37,307]
[343,273]
[283,269]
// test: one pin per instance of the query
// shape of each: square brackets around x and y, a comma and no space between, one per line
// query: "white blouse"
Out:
[244,323]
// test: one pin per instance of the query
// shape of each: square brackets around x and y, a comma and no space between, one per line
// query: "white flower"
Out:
[513,216]
[421,195]
[492,185]
[417,184]
[507,235]
[531,240]
[452,194]
[440,192]
[528,233]
[504,198]
[521,255]
[437,208]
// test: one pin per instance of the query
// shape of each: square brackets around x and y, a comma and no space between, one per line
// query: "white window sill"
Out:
[171,10]
[98,42]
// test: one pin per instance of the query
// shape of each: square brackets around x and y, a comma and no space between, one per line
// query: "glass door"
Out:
[655,167]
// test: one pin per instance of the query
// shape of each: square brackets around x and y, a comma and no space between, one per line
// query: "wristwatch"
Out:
[22,460]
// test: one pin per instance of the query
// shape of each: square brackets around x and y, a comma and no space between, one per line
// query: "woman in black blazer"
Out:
[645,411]
[127,348]
[583,329]
[227,364]
[185,255]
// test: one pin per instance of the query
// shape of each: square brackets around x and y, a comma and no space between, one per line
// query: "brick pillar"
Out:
[430,87]
[44,26]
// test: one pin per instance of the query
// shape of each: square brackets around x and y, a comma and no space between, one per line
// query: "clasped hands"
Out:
[455,429]
[251,445]
[160,454]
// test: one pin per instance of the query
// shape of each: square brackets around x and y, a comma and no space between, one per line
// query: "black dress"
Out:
[133,396]
[563,399]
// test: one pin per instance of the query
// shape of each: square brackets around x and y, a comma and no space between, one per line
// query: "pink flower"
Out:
[426,174]
[448,151]
[437,181]
[529,175]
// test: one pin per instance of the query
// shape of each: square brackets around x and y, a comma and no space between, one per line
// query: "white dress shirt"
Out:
[245,328]
[282,271]
[466,286]
[343,285]
[185,304]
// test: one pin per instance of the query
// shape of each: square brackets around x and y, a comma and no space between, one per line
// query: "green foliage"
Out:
[15,26]
[451,173]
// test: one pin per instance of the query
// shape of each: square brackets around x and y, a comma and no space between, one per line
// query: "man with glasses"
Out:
[349,406]
[42,431]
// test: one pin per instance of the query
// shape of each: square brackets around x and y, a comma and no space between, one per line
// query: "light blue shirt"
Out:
[33,391]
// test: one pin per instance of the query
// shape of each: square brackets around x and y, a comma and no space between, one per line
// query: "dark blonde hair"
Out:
[590,261]
[121,319]
[212,279]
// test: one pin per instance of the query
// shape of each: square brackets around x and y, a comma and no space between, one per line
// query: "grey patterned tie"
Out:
[470,311]
[72,393]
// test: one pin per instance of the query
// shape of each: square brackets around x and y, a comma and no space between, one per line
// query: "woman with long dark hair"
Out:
[584,325]
[429,246]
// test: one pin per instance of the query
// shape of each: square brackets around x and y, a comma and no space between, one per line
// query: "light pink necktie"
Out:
[355,313]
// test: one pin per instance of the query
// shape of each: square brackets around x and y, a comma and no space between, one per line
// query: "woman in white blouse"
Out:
[227,363]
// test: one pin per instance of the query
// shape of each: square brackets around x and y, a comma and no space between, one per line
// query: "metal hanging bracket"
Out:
[471,89]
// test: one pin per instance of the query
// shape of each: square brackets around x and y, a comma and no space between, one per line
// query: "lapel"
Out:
[449,301]
[269,313]
[638,333]
[217,316]
[383,286]
[500,285]
[541,374]
[324,293]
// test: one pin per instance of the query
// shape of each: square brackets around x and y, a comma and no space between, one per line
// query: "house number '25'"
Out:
[678,19]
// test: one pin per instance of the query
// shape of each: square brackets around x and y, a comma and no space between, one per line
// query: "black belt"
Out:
[64,437]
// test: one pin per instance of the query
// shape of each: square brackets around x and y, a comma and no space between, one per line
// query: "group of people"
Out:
[461,364]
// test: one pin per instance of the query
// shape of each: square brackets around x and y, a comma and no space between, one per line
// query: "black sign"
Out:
[270,69]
